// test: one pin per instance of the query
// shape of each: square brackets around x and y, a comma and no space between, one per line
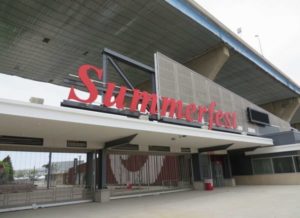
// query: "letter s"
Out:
[84,77]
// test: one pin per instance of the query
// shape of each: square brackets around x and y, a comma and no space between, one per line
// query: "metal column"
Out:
[196,167]
[102,156]
[49,170]
[89,169]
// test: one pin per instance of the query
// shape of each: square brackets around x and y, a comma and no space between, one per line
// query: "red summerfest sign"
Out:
[169,107]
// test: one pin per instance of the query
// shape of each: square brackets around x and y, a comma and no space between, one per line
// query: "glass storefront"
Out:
[271,165]
[283,165]
[262,166]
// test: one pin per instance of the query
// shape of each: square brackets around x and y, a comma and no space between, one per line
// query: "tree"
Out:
[3,173]
[10,169]
[6,171]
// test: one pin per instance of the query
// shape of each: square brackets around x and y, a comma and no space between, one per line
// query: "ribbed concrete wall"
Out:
[269,179]
[179,82]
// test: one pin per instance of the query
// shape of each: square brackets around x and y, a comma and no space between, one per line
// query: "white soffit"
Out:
[46,121]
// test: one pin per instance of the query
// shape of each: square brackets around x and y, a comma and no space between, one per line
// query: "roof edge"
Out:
[274,149]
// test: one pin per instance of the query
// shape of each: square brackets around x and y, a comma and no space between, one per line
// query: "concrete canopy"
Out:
[47,40]
[56,125]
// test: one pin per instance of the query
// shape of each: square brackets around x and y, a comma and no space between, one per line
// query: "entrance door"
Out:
[218,175]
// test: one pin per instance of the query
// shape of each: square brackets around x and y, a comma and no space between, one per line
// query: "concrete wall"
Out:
[269,179]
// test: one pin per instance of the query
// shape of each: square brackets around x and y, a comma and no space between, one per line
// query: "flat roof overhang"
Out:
[47,40]
[57,125]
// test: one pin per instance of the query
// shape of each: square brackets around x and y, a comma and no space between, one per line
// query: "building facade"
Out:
[159,110]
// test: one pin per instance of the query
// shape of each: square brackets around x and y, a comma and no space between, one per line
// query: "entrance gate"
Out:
[136,173]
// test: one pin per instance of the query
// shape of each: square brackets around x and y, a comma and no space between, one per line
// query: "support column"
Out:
[285,109]
[228,178]
[210,64]
[197,182]
[89,170]
[102,194]
[49,170]
[102,169]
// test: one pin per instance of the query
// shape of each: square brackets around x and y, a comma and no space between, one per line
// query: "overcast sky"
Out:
[277,22]
[28,160]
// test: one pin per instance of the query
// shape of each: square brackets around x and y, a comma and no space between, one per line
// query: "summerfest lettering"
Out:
[148,102]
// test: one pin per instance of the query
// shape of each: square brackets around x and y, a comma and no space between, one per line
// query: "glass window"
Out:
[297,163]
[205,166]
[262,166]
[283,165]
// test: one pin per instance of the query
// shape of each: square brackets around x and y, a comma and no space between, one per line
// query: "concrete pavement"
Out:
[235,202]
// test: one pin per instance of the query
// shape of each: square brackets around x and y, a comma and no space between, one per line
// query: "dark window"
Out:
[205,166]
[297,163]
[283,165]
[262,166]
[258,117]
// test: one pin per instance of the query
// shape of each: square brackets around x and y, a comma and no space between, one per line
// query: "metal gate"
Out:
[30,178]
[132,173]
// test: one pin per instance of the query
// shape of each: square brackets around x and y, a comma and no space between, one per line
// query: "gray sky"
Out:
[277,22]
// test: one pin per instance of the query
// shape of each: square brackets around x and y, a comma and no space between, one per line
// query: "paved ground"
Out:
[241,202]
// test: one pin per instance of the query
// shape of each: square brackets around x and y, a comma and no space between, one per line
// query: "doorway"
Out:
[218,175]
[221,169]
